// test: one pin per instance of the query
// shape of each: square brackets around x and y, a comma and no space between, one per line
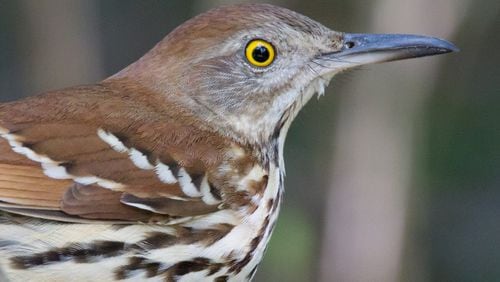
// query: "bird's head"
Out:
[248,69]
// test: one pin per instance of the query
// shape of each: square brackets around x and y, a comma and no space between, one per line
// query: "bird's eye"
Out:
[260,53]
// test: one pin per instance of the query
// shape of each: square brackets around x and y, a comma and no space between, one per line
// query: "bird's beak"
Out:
[361,49]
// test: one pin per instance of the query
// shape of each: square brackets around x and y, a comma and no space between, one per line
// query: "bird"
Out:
[171,169]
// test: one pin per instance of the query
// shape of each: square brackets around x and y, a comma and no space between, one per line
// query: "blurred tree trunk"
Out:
[64,48]
[372,165]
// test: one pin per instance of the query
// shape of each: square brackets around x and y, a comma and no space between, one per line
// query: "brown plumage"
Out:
[173,168]
[63,125]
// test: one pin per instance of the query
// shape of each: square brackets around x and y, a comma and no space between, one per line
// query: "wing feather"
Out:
[67,162]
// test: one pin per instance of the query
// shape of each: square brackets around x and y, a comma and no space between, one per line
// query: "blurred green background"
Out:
[394,175]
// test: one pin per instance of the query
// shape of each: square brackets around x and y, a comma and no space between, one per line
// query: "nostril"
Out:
[349,44]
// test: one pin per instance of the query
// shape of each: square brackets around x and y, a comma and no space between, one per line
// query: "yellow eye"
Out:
[260,53]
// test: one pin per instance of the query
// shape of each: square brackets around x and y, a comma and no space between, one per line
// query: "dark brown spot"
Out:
[237,267]
[118,227]
[255,242]
[243,165]
[25,262]
[185,236]
[174,168]
[195,265]
[51,256]
[156,240]
[270,204]
[28,145]
[126,271]
[148,154]
[67,165]
[276,204]
[80,253]
[214,268]
[196,179]
[221,278]
[123,138]
[108,248]
[252,208]
[265,224]
[252,273]
[85,254]
[215,192]
[152,269]
[237,199]
[258,187]
[210,236]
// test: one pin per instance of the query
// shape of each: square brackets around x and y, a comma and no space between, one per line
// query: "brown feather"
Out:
[171,207]
[7,156]
[27,185]
[97,202]
[63,126]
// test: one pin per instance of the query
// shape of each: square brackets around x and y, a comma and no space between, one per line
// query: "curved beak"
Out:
[361,49]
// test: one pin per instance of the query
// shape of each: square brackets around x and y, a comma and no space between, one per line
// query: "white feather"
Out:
[215,218]
[176,253]
[140,160]
[32,155]
[207,196]
[18,147]
[86,180]
[55,171]
[140,206]
[255,174]
[165,174]
[110,184]
[187,185]
[112,141]
[11,138]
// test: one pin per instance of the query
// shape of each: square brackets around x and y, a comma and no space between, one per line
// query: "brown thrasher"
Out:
[172,169]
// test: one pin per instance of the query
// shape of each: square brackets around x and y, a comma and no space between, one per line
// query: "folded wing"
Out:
[71,156]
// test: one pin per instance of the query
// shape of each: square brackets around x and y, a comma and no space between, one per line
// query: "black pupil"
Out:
[260,54]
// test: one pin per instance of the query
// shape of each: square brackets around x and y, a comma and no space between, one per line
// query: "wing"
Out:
[95,153]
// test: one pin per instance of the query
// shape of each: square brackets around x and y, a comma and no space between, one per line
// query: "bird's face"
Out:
[260,75]
[251,68]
